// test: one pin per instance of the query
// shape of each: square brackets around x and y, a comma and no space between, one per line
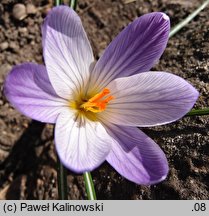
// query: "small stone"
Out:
[31,9]
[23,30]
[4,45]
[4,69]
[14,46]
[19,11]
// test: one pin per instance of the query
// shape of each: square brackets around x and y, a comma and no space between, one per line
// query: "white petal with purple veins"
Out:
[82,144]
[149,99]
[67,52]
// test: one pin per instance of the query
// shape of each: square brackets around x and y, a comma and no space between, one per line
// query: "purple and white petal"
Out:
[149,99]
[82,144]
[136,157]
[136,49]
[28,89]
[67,52]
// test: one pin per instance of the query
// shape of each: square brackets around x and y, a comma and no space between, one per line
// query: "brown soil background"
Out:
[27,155]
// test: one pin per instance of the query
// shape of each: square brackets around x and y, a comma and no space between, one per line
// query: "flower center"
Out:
[98,102]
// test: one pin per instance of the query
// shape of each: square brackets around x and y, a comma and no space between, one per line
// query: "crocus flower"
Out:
[98,107]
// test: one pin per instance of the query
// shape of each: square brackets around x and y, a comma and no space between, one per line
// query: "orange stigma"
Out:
[98,102]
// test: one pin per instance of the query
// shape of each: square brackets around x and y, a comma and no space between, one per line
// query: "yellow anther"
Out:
[98,102]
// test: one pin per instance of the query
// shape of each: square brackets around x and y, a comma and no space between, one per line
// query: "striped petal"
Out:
[82,145]
[28,89]
[136,157]
[67,52]
[149,99]
[136,49]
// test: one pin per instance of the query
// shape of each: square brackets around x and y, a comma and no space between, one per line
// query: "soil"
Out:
[27,154]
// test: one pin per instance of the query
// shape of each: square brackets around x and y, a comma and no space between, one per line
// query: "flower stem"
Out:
[73,4]
[184,22]
[198,112]
[62,181]
[61,171]
[57,2]
[89,186]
